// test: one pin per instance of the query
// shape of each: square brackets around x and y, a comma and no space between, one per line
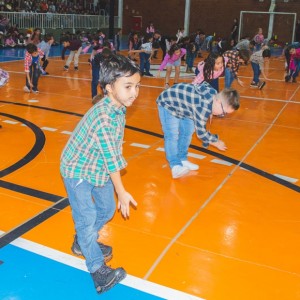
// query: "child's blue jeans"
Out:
[95,78]
[190,58]
[34,73]
[144,62]
[92,207]
[177,136]
[229,77]
[256,72]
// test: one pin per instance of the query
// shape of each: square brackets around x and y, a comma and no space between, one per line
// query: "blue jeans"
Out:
[215,84]
[92,207]
[229,77]
[256,72]
[177,135]
[34,73]
[190,58]
[144,62]
[95,78]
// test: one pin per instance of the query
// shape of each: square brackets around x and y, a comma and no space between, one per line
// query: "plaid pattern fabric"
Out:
[28,59]
[191,101]
[94,149]
[233,60]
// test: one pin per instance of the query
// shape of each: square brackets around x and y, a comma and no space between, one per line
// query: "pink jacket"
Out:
[200,77]
[293,64]
[171,60]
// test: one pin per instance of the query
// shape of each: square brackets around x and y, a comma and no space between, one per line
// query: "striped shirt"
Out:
[94,150]
[185,100]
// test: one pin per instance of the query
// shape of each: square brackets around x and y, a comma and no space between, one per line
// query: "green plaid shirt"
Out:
[94,149]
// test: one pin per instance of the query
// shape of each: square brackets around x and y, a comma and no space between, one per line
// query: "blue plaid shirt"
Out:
[191,101]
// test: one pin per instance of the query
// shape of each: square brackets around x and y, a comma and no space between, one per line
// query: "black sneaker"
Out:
[106,250]
[287,78]
[149,74]
[253,85]
[105,278]
[76,68]
[261,85]
[66,68]
[294,79]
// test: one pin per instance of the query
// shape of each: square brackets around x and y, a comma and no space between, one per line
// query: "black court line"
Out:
[35,221]
[19,231]
[35,150]
[250,168]
[29,191]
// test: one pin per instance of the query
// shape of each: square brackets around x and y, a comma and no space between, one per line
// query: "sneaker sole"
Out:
[107,258]
[181,174]
[262,85]
[119,277]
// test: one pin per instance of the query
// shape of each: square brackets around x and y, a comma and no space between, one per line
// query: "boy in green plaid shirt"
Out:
[91,163]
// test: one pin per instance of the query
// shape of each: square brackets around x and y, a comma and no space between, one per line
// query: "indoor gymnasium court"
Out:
[227,231]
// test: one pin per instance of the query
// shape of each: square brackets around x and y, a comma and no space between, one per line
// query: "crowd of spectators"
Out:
[83,7]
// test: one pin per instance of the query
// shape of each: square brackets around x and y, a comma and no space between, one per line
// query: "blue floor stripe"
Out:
[28,276]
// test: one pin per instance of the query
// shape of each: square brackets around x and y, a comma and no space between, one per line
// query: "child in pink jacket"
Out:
[172,59]
[294,65]
[211,69]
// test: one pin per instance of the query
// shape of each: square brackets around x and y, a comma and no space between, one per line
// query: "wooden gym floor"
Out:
[228,231]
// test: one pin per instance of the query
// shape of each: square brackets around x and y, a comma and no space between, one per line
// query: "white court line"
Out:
[286,178]
[66,132]
[78,263]
[10,122]
[221,162]
[198,156]
[48,128]
[269,99]
[140,145]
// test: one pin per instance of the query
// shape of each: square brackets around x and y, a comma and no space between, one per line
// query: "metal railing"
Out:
[26,20]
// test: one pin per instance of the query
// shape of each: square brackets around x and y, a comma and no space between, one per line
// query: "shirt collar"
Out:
[118,110]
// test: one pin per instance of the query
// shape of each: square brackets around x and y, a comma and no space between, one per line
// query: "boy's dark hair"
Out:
[174,48]
[115,66]
[244,54]
[99,57]
[65,39]
[266,53]
[232,97]
[48,37]
[147,37]
[172,38]
[31,48]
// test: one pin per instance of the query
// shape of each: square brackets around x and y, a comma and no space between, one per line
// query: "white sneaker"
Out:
[190,165]
[26,89]
[179,171]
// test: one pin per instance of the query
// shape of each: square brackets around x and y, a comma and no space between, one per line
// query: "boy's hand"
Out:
[220,145]
[124,200]
[30,84]
[240,82]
